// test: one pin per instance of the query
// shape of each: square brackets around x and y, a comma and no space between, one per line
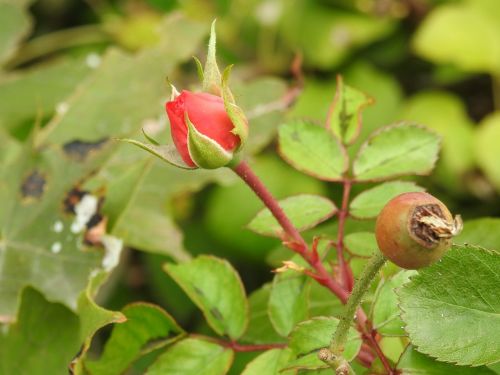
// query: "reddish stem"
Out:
[240,347]
[252,348]
[345,270]
[298,243]
[245,172]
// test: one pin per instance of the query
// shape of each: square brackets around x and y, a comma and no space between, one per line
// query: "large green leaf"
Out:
[225,308]
[486,148]
[312,149]
[147,327]
[484,232]
[37,93]
[345,118]
[385,311]
[33,345]
[452,31]
[305,211]
[361,243]
[415,363]
[370,202]
[312,335]
[14,25]
[193,357]
[451,309]
[288,301]
[269,362]
[397,150]
[37,234]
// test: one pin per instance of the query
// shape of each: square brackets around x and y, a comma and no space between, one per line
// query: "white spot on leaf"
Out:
[58,226]
[113,248]
[62,108]
[93,60]
[84,210]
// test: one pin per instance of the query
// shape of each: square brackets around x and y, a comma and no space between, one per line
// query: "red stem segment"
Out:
[252,348]
[245,172]
[297,243]
[345,270]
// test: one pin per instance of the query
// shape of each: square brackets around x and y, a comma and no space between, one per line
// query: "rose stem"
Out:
[345,270]
[360,288]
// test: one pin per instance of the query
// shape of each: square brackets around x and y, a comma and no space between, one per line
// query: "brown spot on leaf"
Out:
[96,228]
[216,313]
[79,150]
[33,185]
[74,196]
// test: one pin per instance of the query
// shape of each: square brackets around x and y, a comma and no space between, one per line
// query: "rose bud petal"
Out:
[202,130]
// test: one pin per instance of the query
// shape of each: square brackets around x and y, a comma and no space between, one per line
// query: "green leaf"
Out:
[312,149]
[415,363]
[305,211]
[442,37]
[152,231]
[385,310]
[37,235]
[193,357]
[362,244]
[43,340]
[369,203]
[484,232]
[15,24]
[310,336]
[260,330]
[397,150]
[226,309]
[147,327]
[345,118]
[35,94]
[288,301]
[167,153]
[451,309]
[269,362]
[486,149]
[320,301]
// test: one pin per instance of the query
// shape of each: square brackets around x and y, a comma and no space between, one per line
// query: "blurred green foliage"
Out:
[88,71]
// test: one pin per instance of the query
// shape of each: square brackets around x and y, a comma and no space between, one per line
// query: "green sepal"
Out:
[149,138]
[199,68]
[167,153]
[234,112]
[211,75]
[205,152]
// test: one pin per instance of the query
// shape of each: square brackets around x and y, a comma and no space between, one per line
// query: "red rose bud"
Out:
[202,130]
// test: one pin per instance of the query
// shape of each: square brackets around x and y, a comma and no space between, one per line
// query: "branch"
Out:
[296,241]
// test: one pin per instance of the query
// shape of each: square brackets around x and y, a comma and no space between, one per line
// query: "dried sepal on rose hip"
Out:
[414,230]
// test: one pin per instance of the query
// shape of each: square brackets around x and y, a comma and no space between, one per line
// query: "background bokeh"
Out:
[93,70]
